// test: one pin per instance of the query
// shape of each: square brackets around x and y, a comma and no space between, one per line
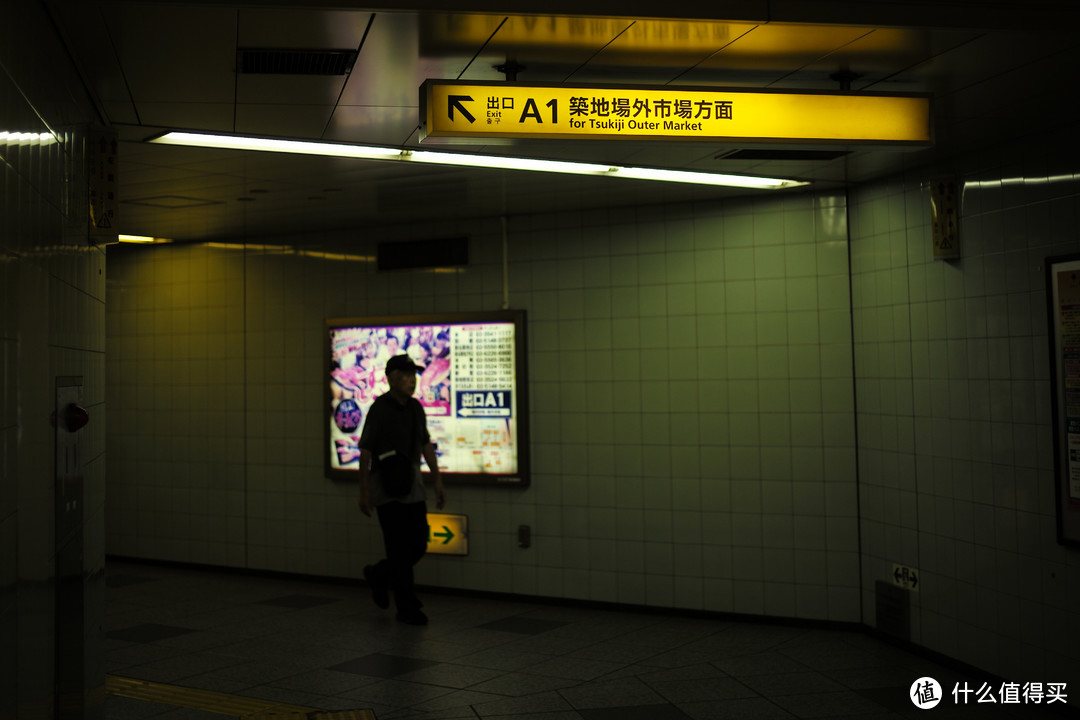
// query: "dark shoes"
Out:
[412,617]
[379,593]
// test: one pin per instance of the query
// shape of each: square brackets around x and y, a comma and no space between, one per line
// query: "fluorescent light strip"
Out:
[26,138]
[685,176]
[296,147]
[368,152]
[503,162]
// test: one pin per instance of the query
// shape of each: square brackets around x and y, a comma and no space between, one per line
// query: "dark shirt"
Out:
[388,426]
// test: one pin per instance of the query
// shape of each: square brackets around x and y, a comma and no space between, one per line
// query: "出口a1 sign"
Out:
[448,534]
[453,109]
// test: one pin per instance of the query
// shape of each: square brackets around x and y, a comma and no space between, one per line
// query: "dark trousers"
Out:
[405,535]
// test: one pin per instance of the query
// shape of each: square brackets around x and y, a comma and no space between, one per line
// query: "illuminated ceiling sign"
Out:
[453,109]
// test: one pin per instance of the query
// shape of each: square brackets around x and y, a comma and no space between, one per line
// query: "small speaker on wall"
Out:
[423,254]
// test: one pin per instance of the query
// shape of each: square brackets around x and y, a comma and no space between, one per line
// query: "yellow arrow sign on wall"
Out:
[452,109]
[448,534]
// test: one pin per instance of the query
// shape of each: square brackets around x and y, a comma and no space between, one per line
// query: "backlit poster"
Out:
[470,388]
[1063,296]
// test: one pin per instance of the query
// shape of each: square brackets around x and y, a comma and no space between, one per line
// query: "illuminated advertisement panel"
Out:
[472,389]
[1063,299]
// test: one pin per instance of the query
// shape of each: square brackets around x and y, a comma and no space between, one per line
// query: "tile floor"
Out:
[323,645]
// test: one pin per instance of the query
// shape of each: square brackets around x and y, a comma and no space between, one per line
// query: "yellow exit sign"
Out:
[448,534]
[452,109]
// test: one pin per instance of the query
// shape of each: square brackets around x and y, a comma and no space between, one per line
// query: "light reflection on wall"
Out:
[651,37]
[834,220]
[289,250]
[1003,182]
[318,254]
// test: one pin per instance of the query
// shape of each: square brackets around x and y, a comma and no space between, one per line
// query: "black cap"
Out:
[402,362]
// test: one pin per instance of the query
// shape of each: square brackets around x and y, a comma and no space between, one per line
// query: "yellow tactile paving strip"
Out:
[318,715]
[236,706]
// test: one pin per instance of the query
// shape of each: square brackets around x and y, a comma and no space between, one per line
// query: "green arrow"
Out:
[448,535]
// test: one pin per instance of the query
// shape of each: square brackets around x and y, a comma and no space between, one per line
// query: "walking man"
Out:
[395,435]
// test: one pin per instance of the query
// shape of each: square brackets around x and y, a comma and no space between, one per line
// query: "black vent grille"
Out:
[892,610]
[267,61]
[784,154]
[421,254]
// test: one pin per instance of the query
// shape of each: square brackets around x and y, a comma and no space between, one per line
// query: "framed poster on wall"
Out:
[1063,299]
[473,390]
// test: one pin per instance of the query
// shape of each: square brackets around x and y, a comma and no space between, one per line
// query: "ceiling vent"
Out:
[422,254]
[784,154]
[269,61]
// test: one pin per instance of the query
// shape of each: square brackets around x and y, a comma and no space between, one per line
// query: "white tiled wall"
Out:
[953,401]
[690,388]
[52,324]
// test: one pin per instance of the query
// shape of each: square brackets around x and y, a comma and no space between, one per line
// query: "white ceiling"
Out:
[993,74]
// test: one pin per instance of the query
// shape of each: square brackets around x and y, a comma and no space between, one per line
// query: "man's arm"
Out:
[365,491]
[432,460]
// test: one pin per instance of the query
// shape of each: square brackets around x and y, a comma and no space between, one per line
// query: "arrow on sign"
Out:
[455,101]
[902,576]
[449,535]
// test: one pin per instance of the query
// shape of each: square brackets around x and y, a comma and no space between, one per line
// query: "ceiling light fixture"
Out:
[369,152]
[142,239]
